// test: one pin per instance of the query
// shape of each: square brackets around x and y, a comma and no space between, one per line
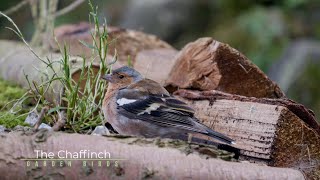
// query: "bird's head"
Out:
[123,77]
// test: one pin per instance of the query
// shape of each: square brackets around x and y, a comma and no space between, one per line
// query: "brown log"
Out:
[207,64]
[267,131]
[171,159]
[299,110]
[126,42]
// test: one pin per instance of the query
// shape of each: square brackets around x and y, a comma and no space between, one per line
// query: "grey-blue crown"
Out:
[130,71]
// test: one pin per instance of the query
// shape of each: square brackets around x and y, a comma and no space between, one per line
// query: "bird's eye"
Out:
[121,76]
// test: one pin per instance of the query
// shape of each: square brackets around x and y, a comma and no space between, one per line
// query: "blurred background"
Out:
[281,37]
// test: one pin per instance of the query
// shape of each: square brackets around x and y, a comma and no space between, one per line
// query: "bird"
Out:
[138,106]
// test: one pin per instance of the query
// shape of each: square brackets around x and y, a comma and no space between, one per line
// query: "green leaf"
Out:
[56,109]
[90,46]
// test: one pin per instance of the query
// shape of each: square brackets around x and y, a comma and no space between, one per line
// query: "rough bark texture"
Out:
[266,131]
[207,64]
[170,159]
[126,42]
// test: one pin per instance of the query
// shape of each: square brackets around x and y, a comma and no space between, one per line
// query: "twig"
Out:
[61,121]
[40,117]
[69,8]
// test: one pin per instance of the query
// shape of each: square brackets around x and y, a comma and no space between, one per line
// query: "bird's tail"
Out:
[220,136]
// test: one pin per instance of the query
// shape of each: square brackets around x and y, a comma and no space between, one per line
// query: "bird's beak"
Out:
[107,77]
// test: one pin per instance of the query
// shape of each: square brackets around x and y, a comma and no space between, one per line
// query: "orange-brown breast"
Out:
[109,105]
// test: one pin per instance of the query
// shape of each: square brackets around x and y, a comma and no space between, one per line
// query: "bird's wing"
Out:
[148,101]
[149,86]
[160,109]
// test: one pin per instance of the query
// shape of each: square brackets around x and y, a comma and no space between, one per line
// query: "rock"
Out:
[32,118]
[45,126]
[2,129]
[100,130]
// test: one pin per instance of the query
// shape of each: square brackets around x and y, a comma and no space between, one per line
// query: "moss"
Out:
[9,92]
[11,120]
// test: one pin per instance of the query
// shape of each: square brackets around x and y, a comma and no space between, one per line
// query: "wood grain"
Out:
[143,159]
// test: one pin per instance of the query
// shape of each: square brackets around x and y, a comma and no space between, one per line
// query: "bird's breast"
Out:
[109,107]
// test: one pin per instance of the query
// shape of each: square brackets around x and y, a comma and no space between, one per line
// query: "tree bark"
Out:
[170,159]
[207,64]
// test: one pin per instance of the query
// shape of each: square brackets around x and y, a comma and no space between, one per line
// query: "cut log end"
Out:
[265,130]
[207,64]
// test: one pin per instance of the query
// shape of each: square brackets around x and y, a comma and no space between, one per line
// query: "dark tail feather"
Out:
[220,137]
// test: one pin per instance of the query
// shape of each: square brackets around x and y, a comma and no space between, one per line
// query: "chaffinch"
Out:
[142,107]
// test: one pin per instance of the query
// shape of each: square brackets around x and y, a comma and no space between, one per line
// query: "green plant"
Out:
[79,106]
[10,120]
[8,94]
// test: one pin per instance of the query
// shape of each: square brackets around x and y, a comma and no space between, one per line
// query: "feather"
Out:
[124,101]
[137,102]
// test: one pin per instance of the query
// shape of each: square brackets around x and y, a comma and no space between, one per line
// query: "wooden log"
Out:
[126,42]
[139,159]
[207,64]
[266,130]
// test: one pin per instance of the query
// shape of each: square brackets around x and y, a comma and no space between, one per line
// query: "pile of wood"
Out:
[229,93]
